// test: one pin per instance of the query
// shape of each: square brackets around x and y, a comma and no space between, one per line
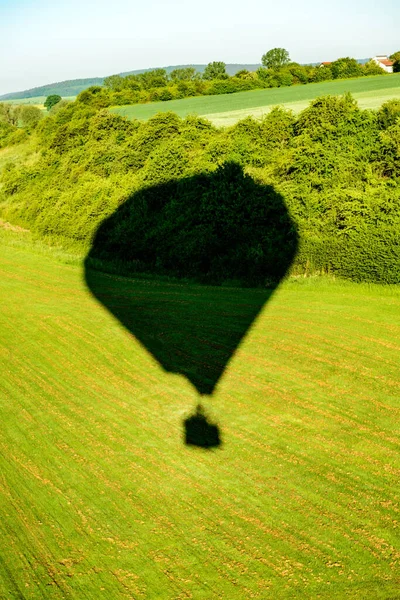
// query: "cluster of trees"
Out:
[277,70]
[17,120]
[15,117]
[19,114]
[335,167]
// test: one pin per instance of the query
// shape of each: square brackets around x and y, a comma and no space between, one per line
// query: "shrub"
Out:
[388,113]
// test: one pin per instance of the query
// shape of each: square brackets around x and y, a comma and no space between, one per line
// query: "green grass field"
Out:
[100,497]
[226,109]
[35,101]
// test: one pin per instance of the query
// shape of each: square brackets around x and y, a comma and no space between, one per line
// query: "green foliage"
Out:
[230,86]
[8,113]
[275,58]
[343,68]
[245,74]
[10,118]
[29,116]
[371,68]
[283,78]
[299,73]
[156,85]
[115,82]
[321,73]
[10,135]
[215,70]
[52,101]
[153,79]
[390,141]
[211,227]
[325,115]
[336,166]
[184,74]
[95,96]
[395,57]
[389,113]
[59,106]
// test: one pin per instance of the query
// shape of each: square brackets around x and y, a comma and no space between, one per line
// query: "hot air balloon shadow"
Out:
[208,228]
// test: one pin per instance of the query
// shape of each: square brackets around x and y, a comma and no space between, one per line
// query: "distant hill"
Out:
[73,87]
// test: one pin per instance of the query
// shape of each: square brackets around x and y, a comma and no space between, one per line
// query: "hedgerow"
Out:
[178,190]
[156,85]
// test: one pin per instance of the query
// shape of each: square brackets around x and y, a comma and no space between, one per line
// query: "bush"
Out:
[389,113]
[323,73]
[344,68]
[52,101]
[11,135]
[29,116]
[95,96]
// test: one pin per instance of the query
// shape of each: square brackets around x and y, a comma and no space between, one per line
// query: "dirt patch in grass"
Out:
[9,227]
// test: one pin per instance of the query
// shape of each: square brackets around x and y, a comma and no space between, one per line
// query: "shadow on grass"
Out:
[200,431]
[208,228]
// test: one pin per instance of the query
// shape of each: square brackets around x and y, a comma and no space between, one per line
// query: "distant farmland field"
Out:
[35,101]
[226,109]
[100,497]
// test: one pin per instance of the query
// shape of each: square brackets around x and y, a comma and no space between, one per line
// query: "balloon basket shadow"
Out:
[200,431]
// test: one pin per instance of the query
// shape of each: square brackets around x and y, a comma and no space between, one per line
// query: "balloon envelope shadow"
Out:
[210,228]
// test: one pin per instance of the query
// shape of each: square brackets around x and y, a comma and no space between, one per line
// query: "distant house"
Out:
[384,62]
[325,64]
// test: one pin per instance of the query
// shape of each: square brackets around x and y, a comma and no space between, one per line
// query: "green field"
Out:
[35,101]
[100,497]
[226,109]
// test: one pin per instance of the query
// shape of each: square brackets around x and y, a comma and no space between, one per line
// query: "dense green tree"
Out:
[275,58]
[59,106]
[371,68]
[115,82]
[262,73]
[29,116]
[343,68]
[300,73]
[321,73]
[184,74]
[131,82]
[8,113]
[215,70]
[96,96]
[242,74]
[282,78]
[153,79]
[389,113]
[51,101]
[395,57]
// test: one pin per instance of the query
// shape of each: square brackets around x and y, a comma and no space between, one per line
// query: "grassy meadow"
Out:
[101,498]
[227,109]
[34,101]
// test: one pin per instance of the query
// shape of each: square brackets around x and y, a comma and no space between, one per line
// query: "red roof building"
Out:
[384,62]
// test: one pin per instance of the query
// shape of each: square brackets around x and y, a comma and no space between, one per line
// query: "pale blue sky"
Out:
[43,41]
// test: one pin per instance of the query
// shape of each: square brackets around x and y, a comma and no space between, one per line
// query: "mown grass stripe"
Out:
[99,497]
